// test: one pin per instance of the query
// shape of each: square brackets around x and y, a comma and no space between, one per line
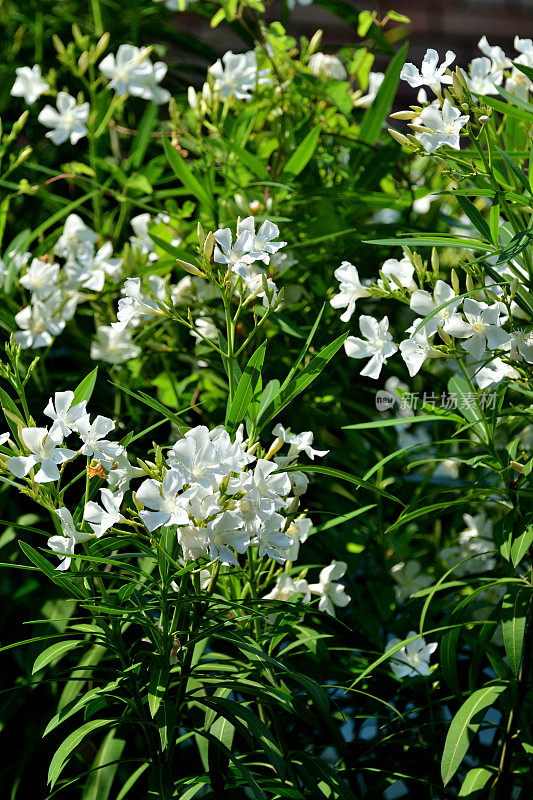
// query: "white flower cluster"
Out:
[440,123]
[220,498]
[475,325]
[236,75]
[130,71]
[248,253]
[56,291]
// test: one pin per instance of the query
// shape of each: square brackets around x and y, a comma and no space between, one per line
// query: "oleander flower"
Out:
[43,445]
[67,121]
[239,76]
[64,545]
[327,66]
[430,74]
[29,84]
[103,517]
[442,127]
[163,500]
[412,660]
[480,329]
[330,592]
[63,413]
[113,345]
[377,345]
[350,290]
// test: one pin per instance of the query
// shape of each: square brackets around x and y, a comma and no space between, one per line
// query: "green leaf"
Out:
[464,726]
[185,175]
[467,403]
[157,687]
[59,578]
[132,780]
[304,349]
[301,381]
[476,218]
[343,476]
[503,534]
[142,140]
[303,153]
[69,744]
[53,653]
[374,117]
[246,388]
[84,390]
[522,543]
[475,780]
[515,169]
[517,245]
[514,614]
[253,163]
[100,779]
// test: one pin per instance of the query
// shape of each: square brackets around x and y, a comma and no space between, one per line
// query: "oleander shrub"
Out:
[237,565]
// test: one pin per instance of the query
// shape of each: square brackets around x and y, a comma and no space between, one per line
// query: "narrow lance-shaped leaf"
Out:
[303,153]
[514,615]
[69,744]
[54,653]
[246,388]
[465,725]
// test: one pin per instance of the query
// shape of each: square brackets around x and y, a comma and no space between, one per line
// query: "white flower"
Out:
[237,256]
[94,445]
[375,79]
[518,83]
[327,66]
[422,303]
[350,289]
[497,56]
[411,660]
[522,346]
[494,373]
[402,270]
[64,545]
[4,437]
[475,544]
[123,472]
[29,84]
[298,442]
[40,278]
[331,593]
[89,269]
[205,327]
[129,67]
[262,483]
[63,413]
[75,233]
[263,241]
[271,539]
[164,500]
[38,325]
[430,74]
[409,578]
[142,241]
[287,589]
[443,127]
[224,533]
[298,531]
[378,345]
[43,445]
[482,78]
[68,122]
[239,75]
[133,304]
[480,330]
[416,349]
[113,345]
[194,542]
[525,48]
[207,457]
[101,519]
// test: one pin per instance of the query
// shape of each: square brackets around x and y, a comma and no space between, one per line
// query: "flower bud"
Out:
[399,137]
[404,115]
[483,119]
[209,245]
[469,283]
[455,282]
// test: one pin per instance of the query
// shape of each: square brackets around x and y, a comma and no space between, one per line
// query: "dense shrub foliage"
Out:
[266,387]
